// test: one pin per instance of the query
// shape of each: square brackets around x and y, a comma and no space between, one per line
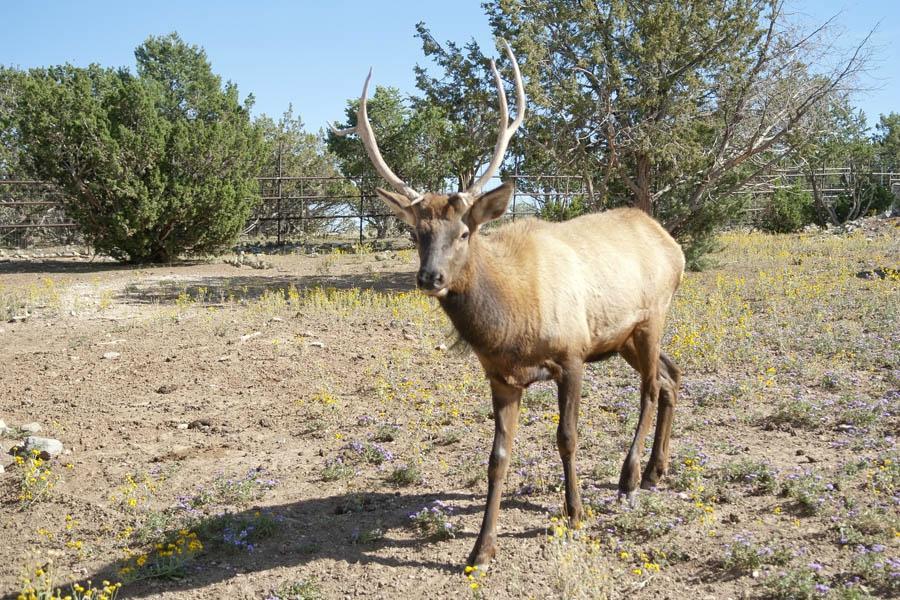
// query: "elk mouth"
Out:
[436,292]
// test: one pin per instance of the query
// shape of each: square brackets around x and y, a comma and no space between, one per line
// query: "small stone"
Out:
[166,388]
[32,427]
[2,470]
[317,344]
[265,422]
[19,318]
[198,424]
[409,336]
[182,426]
[441,347]
[111,355]
[47,446]
[250,336]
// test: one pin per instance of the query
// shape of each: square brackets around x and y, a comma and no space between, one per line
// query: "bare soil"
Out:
[189,374]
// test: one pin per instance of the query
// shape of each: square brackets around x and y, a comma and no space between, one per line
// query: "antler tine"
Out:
[364,130]
[507,130]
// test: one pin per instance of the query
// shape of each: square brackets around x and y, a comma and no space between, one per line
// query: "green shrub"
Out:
[563,210]
[789,209]
[154,164]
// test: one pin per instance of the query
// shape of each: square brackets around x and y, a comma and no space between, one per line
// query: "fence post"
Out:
[279,209]
[360,217]
[515,191]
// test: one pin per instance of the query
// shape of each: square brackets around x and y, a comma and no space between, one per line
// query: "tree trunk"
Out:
[643,198]
[465,178]
[824,210]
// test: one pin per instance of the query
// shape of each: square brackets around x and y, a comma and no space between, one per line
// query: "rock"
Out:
[4,430]
[441,347]
[250,336]
[111,355]
[182,426]
[2,469]
[166,388]
[409,336]
[878,273]
[198,424]
[317,344]
[47,446]
[175,453]
[32,427]
[265,422]
[19,318]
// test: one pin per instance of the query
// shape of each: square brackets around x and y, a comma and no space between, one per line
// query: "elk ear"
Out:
[399,204]
[490,205]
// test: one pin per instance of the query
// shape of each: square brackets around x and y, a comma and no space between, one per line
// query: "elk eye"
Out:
[464,236]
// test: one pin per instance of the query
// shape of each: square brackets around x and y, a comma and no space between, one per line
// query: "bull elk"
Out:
[537,300]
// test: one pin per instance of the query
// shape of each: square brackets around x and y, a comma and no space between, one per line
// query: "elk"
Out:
[536,301]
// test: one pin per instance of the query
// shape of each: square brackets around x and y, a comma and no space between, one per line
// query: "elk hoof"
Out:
[575,514]
[481,557]
[628,497]
[652,474]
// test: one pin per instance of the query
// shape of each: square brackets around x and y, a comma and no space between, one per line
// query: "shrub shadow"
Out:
[221,289]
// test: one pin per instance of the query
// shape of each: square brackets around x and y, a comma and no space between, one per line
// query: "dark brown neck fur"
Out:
[475,303]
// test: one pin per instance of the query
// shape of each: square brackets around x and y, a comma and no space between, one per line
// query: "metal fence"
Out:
[830,183]
[32,213]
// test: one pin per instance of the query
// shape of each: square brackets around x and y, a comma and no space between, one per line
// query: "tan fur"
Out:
[579,287]
[536,301]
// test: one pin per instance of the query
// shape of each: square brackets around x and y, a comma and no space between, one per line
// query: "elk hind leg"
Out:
[669,380]
[642,352]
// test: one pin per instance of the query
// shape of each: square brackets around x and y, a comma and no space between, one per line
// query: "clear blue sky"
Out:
[315,54]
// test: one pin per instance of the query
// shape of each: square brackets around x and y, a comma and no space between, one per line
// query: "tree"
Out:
[887,140]
[409,142]
[10,80]
[153,164]
[670,104]
[466,96]
[293,152]
[835,151]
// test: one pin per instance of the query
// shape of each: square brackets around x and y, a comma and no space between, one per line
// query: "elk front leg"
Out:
[506,419]
[567,436]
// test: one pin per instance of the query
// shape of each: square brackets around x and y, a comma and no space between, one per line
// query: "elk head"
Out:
[445,226]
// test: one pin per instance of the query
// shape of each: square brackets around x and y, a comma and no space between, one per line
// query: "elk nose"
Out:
[429,280]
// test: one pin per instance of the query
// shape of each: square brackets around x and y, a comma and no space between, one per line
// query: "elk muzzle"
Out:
[431,281]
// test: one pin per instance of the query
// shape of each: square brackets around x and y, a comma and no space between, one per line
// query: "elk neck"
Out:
[480,303]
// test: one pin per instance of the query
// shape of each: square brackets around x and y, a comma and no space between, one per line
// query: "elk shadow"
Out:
[240,288]
[336,527]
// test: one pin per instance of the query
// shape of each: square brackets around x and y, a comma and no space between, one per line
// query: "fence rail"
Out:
[32,213]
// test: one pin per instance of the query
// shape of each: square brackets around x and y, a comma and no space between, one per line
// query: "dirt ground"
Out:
[292,419]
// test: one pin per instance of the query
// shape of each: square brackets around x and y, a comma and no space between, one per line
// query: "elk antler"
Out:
[364,130]
[506,130]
